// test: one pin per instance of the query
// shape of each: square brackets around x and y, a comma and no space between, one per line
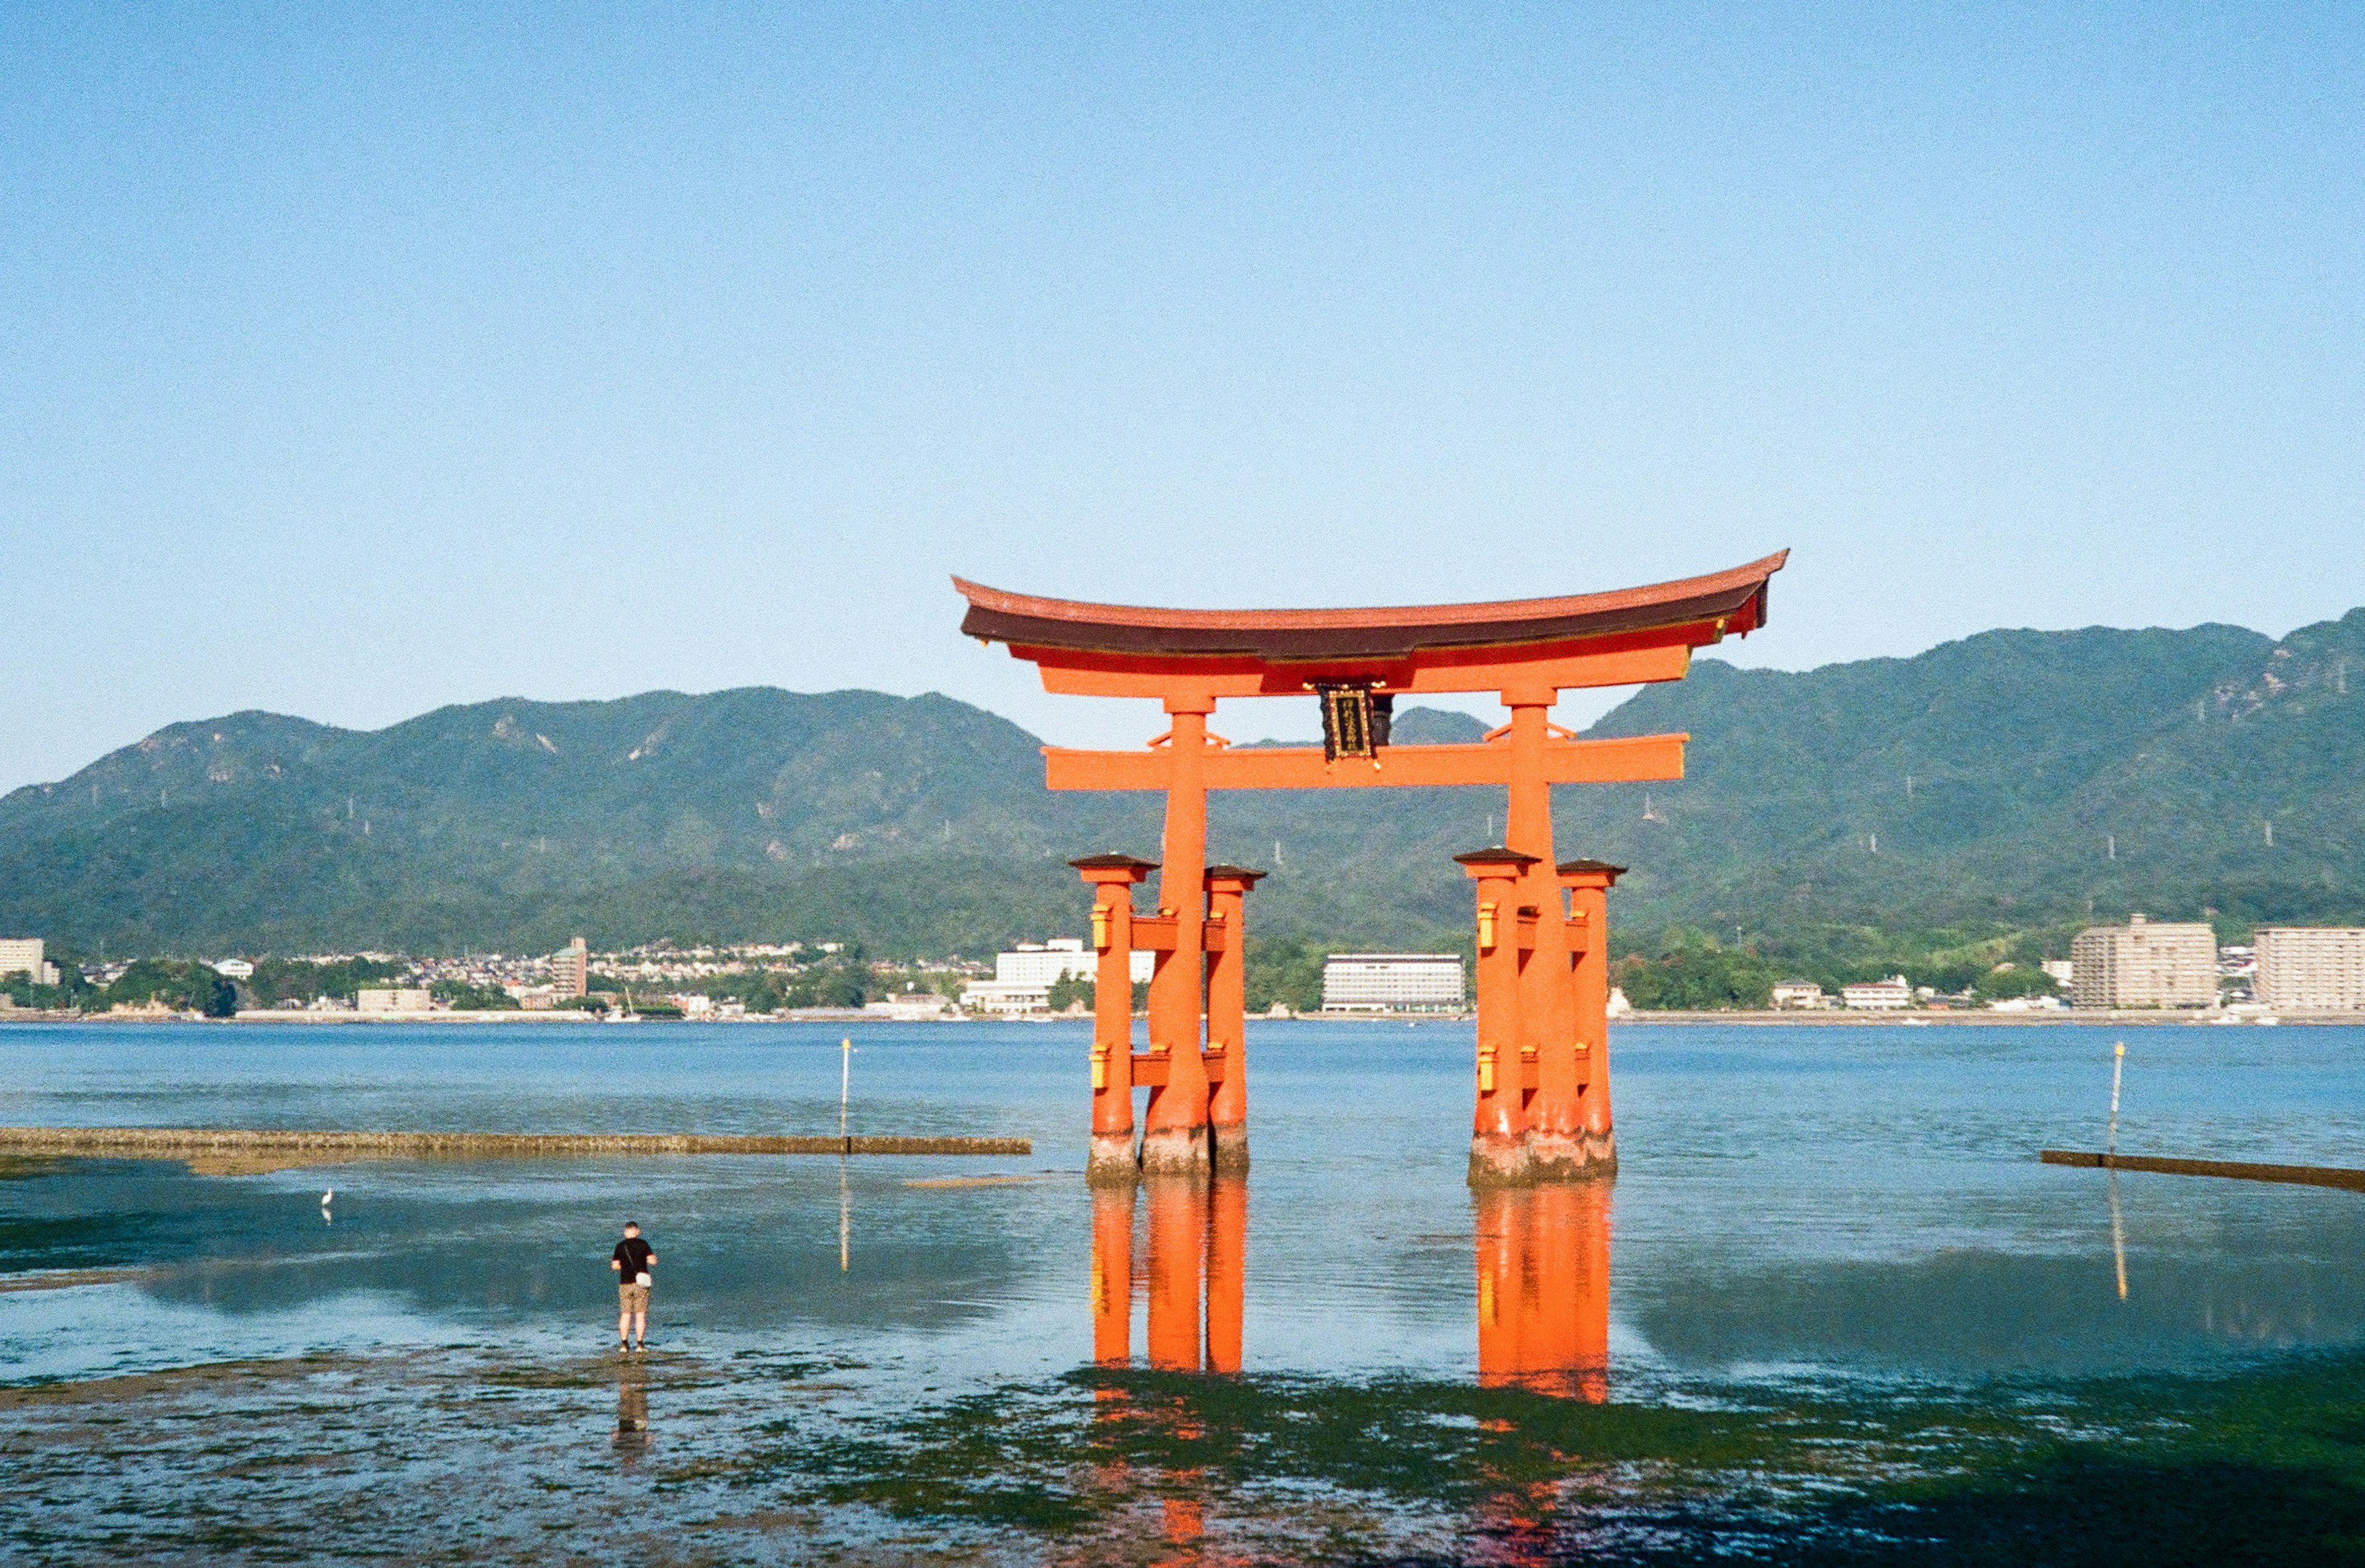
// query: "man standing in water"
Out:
[633,1260]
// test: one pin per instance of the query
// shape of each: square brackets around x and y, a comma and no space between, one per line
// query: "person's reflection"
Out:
[631,1411]
[1543,1289]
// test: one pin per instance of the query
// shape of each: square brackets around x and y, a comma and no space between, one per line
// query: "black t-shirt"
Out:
[633,1255]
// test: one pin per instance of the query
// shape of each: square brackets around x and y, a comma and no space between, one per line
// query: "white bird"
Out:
[326,1197]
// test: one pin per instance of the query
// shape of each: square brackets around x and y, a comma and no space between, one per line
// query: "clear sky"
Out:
[359,359]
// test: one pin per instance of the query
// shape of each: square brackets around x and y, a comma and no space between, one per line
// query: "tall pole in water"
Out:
[845,1147]
[2118,1060]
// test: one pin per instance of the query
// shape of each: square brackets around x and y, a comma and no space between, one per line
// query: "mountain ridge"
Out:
[2015,776]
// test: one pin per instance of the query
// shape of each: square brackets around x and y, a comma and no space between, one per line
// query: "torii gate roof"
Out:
[1723,602]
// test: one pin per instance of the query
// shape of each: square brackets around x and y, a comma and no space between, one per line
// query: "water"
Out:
[1853,1212]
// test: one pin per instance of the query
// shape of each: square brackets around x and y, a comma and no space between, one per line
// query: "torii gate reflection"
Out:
[1542,1258]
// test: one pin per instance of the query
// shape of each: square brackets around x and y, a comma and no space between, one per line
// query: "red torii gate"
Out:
[1542,1068]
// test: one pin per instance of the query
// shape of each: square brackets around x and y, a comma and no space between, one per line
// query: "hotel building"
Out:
[1393,982]
[22,956]
[1023,978]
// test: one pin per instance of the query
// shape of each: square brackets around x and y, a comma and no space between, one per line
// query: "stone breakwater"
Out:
[184,1143]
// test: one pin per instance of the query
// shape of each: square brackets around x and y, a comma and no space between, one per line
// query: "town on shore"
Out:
[2136,971]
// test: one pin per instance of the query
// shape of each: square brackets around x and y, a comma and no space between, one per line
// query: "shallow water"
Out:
[1855,1209]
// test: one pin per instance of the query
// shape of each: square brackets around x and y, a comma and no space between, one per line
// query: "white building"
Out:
[2064,972]
[1888,995]
[234,968]
[2145,964]
[22,956]
[1393,982]
[391,999]
[2312,968]
[1801,994]
[1023,977]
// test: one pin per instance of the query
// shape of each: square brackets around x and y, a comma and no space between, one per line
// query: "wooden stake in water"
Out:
[846,1083]
[2118,1060]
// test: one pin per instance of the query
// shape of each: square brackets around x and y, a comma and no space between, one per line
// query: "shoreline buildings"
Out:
[2144,963]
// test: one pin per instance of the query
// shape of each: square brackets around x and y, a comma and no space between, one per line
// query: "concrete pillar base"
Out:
[1231,1150]
[1112,1162]
[1175,1151]
[1498,1161]
[1571,1157]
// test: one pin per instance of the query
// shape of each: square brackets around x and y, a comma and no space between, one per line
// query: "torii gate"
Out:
[1542,1067]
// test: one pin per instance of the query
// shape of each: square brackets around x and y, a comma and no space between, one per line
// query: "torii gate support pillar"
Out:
[1228,1038]
[1499,1144]
[1588,883]
[1111,877]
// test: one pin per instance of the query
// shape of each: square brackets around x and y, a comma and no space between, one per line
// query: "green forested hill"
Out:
[2021,778]
[2015,775]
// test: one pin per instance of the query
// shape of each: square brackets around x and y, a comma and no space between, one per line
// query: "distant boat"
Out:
[1915,1023]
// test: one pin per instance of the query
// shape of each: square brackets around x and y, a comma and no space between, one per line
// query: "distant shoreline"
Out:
[1834,1018]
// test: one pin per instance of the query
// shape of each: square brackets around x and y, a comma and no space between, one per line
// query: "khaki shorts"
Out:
[631,1297]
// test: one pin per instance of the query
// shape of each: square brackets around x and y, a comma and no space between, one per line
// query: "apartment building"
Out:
[2312,968]
[570,971]
[2144,963]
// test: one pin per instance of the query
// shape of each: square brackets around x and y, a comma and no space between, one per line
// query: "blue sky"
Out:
[357,360]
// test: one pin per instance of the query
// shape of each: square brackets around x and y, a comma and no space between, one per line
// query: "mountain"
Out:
[2016,776]
[2021,778]
[515,824]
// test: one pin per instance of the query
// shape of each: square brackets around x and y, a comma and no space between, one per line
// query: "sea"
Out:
[1831,1293]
